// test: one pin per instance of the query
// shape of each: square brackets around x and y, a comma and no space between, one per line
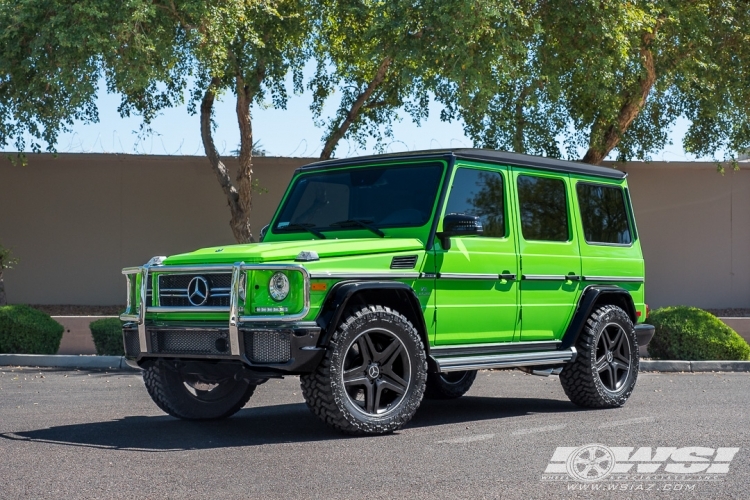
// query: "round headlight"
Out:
[278,287]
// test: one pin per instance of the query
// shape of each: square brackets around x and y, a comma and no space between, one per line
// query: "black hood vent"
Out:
[404,262]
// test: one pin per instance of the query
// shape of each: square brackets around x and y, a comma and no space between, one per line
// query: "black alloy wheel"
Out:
[613,357]
[377,372]
[372,377]
[605,370]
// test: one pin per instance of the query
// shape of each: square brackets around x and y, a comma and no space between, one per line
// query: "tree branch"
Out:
[355,109]
[600,148]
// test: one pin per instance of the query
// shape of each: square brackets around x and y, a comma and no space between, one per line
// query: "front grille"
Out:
[190,342]
[132,343]
[268,347]
[404,262]
[173,290]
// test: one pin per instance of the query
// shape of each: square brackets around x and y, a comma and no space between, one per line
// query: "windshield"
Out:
[362,198]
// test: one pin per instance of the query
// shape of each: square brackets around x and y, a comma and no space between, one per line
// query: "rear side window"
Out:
[479,193]
[544,208]
[603,214]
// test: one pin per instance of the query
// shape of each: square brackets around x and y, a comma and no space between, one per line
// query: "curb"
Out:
[111,363]
[117,363]
[694,366]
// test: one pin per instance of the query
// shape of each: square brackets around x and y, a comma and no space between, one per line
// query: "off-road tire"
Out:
[326,393]
[450,385]
[580,379]
[166,386]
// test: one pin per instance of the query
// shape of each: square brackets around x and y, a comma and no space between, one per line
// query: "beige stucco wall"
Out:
[75,221]
[694,226]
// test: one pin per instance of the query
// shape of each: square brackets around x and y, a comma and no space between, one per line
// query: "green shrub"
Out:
[692,334]
[107,334]
[24,330]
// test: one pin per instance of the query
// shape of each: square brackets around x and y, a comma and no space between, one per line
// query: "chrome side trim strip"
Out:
[544,277]
[364,276]
[615,278]
[461,276]
[505,360]
[234,298]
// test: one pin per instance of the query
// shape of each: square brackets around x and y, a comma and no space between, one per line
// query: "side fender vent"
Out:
[404,262]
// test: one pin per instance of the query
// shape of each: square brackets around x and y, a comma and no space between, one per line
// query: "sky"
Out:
[289,132]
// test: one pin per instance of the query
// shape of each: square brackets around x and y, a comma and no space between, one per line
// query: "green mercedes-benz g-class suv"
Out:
[387,278]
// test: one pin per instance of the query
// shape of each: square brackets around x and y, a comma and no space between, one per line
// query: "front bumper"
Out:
[644,333]
[281,348]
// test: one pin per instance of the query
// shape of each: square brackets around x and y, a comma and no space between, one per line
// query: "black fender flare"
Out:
[342,293]
[589,298]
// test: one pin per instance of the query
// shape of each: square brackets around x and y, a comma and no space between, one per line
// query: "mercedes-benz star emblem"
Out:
[197,291]
[373,371]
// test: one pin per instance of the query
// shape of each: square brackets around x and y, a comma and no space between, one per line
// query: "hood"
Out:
[288,250]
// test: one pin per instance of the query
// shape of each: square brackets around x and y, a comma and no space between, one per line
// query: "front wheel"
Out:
[194,397]
[372,378]
[606,368]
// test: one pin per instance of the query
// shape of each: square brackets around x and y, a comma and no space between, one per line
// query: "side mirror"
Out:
[263,232]
[459,225]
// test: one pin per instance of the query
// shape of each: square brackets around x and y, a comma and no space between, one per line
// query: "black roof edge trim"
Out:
[500,157]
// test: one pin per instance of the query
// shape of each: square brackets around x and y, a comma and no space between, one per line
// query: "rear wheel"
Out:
[606,368]
[194,397]
[450,385]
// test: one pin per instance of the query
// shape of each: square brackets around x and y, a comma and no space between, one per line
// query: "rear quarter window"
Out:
[603,214]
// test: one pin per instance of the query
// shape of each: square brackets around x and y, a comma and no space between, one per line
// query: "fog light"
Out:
[278,287]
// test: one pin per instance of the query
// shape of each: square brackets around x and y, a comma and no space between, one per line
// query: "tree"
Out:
[614,76]
[384,56]
[52,54]
[7,261]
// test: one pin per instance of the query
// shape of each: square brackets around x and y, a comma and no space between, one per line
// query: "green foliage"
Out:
[692,334]
[7,261]
[379,57]
[107,335]
[614,76]
[24,330]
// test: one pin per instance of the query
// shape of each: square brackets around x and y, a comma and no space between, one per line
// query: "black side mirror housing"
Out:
[459,225]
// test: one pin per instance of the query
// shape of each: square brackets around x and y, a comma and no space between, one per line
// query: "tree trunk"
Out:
[239,223]
[3,298]
[604,138]
[355,109]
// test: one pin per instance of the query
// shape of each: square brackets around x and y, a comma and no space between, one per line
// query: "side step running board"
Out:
[455,364]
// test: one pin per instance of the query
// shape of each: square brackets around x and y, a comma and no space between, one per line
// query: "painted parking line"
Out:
[468,439]
[534,430]
[629,421]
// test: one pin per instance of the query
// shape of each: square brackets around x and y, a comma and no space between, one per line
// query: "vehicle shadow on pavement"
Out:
[475,408]
[286,423]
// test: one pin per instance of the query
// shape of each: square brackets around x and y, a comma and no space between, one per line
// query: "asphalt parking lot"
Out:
[77,434]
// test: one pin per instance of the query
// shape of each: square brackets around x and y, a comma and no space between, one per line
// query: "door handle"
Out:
[573,277]
[507,276]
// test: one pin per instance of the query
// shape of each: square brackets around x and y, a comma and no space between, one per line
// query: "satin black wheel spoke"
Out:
[388,371]
[355,376]
[391,384]
[388,352]
[617,340]
[366,349]
[601,364]
[371,404]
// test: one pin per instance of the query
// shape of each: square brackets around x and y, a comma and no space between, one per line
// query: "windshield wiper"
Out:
[364,223]
[305,227]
